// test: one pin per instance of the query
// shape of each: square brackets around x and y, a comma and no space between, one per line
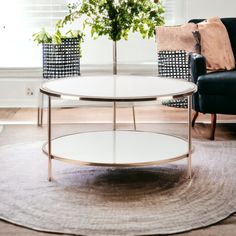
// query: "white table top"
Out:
[117,88]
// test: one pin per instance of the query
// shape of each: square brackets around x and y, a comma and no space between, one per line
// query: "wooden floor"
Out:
[97,118]
[144,114]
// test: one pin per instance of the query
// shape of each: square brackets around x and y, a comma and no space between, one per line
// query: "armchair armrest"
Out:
[197,66]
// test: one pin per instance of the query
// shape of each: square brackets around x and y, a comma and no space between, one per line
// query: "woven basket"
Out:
[61,60]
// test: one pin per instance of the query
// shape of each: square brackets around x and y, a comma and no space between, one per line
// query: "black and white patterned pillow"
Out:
[174,64]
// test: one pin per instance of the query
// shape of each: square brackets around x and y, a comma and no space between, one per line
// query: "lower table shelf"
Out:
[118,148]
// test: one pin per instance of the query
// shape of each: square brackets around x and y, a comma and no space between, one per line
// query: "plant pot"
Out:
[61,60]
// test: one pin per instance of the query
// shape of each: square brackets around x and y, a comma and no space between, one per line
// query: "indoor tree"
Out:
[116,18]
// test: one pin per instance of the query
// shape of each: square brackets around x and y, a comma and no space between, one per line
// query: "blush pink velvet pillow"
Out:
[215,45]
[176,38]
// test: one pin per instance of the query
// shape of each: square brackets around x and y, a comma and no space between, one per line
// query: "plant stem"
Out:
[114,58]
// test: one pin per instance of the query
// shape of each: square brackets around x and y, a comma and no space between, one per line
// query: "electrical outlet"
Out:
[29,91]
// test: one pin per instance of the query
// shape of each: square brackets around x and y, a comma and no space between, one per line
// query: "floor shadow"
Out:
[128,184]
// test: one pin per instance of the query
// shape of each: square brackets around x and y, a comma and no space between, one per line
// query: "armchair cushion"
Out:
[218,83]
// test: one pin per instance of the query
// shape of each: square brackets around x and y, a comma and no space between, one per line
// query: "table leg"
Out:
[40,109]
[134,118]
[49,140]
[41,116]
[189,136]
[114,116]
[38,122]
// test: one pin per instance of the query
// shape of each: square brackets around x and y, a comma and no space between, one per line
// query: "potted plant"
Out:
[116,18]
[61,51]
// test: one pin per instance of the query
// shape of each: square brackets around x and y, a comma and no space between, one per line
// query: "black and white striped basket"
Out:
[61,60]
[174,64]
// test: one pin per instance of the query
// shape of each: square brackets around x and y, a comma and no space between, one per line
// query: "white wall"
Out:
[209,8]
[133,51]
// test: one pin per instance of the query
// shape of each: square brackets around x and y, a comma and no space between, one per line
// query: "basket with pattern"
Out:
[61,60]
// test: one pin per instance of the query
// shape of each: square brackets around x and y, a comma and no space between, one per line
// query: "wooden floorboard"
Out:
[8,113]
[144,114]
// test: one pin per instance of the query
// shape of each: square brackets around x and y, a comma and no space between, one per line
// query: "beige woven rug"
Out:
[106,201]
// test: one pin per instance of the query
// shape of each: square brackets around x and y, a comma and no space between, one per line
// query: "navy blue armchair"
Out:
[216,91]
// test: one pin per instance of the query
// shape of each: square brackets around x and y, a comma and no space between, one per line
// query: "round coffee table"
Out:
[118,148]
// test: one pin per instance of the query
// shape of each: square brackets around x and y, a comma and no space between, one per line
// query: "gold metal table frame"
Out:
[114,100]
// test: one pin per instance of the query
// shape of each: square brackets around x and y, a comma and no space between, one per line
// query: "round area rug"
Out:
[108,201]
